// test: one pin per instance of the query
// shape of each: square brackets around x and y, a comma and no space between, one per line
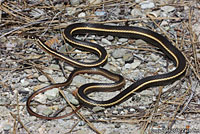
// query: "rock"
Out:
[41,98]
[98,109]
[79,80]
[52,94]
[71,98]
[123,40]
[127,57]
[164,23]
[42,78]
[155,13]
[10,46]
[4,112]
[95,2]
[81,123]
[47,111]
[133,65]
[110,38]
[111,68]
[100,13]
[81,15]
[6,126]
[167,9]
[140,42]
[75,2]
[147,93]
[132,110]
[48,71]
[4,101]
[136,12]
[138,1]
[55,67]
[105,41]
[24,83]
[69,68]
[59,79]
[118,53]
[147,5]
[70,11]
[154,57]
[115,112]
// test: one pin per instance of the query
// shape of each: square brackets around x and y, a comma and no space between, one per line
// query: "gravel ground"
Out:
[25,68]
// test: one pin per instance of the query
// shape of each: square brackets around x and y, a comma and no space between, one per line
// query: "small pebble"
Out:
[136,12]
[59,79]
[127,57]
[42,78]
[100,13]
[123,40]
[98,109]
[167,9]
[154,57]
[71,98]
[24,83]
[79,80]
[47,111]
[132,110]
[133,65]
[81,123]
[81,15]
[155,13]
[69,68]
[105,41]
[147,93]
[110,38]
[4,101]
[140,42]
[147,5]
[115,112]
[52,94]
[6,127]
[118,53]
[54,66]
[70,11]
[75,2]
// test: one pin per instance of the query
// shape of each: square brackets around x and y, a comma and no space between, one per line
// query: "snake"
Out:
[95,67]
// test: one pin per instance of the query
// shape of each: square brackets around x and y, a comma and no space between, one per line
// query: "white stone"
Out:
[75,2]
[24,82]
[147,5]
[42,78]
[81,15]
[105,41]
[52,94]
[167,8]
[136,12]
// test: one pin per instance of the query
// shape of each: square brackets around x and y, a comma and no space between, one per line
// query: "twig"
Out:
[193,39]
[190,98]
[19,28]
